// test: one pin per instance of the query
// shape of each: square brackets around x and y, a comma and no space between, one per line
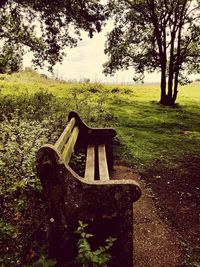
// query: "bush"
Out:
[27,122]
[23,207]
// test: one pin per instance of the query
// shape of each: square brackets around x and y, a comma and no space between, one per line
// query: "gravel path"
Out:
[155,242]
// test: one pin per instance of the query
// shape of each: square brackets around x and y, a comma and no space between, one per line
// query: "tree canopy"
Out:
[152,35]
[10,58]
[45,27]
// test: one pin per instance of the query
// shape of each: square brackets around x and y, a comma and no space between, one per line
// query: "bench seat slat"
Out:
[90,163]
[69,147]
[103,166]
[65,135]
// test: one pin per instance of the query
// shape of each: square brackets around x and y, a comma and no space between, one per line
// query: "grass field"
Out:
[161,142]
[147,130]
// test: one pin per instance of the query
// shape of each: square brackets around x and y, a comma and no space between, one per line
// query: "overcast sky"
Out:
[85,61]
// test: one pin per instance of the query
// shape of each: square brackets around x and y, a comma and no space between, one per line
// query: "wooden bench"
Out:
[106,204]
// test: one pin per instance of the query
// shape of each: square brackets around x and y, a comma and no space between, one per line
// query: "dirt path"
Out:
[155,242]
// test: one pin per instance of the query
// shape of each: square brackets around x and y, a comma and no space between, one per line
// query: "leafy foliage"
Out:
[86,256]
[43,261]
[10,58]
[46,27]
[20,190]
[26,124]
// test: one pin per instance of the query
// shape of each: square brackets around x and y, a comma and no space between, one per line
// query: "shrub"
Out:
[86,256]
[23,207]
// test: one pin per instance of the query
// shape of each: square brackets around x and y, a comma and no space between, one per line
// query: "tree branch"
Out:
[139,10]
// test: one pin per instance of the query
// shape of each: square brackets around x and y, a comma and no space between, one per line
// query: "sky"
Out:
[85,62]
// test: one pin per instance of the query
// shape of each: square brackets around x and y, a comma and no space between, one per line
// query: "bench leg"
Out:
[125,238]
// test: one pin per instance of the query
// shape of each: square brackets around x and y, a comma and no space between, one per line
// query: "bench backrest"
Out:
[67,140]
[97,141]
[96,161]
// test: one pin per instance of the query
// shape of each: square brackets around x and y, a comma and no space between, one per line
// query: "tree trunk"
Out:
[165,99]
[178,65]
[163,87]
[175,93]
[171,66]
[176,80]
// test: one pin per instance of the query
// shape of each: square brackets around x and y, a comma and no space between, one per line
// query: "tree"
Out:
[152,35]
[46,27]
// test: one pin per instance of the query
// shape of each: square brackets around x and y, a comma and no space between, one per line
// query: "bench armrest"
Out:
[90,135]
[122,189]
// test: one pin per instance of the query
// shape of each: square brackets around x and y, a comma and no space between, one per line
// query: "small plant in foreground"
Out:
[86,256]
[43,261]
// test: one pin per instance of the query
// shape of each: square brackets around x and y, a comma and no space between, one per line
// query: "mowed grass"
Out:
[147,131]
